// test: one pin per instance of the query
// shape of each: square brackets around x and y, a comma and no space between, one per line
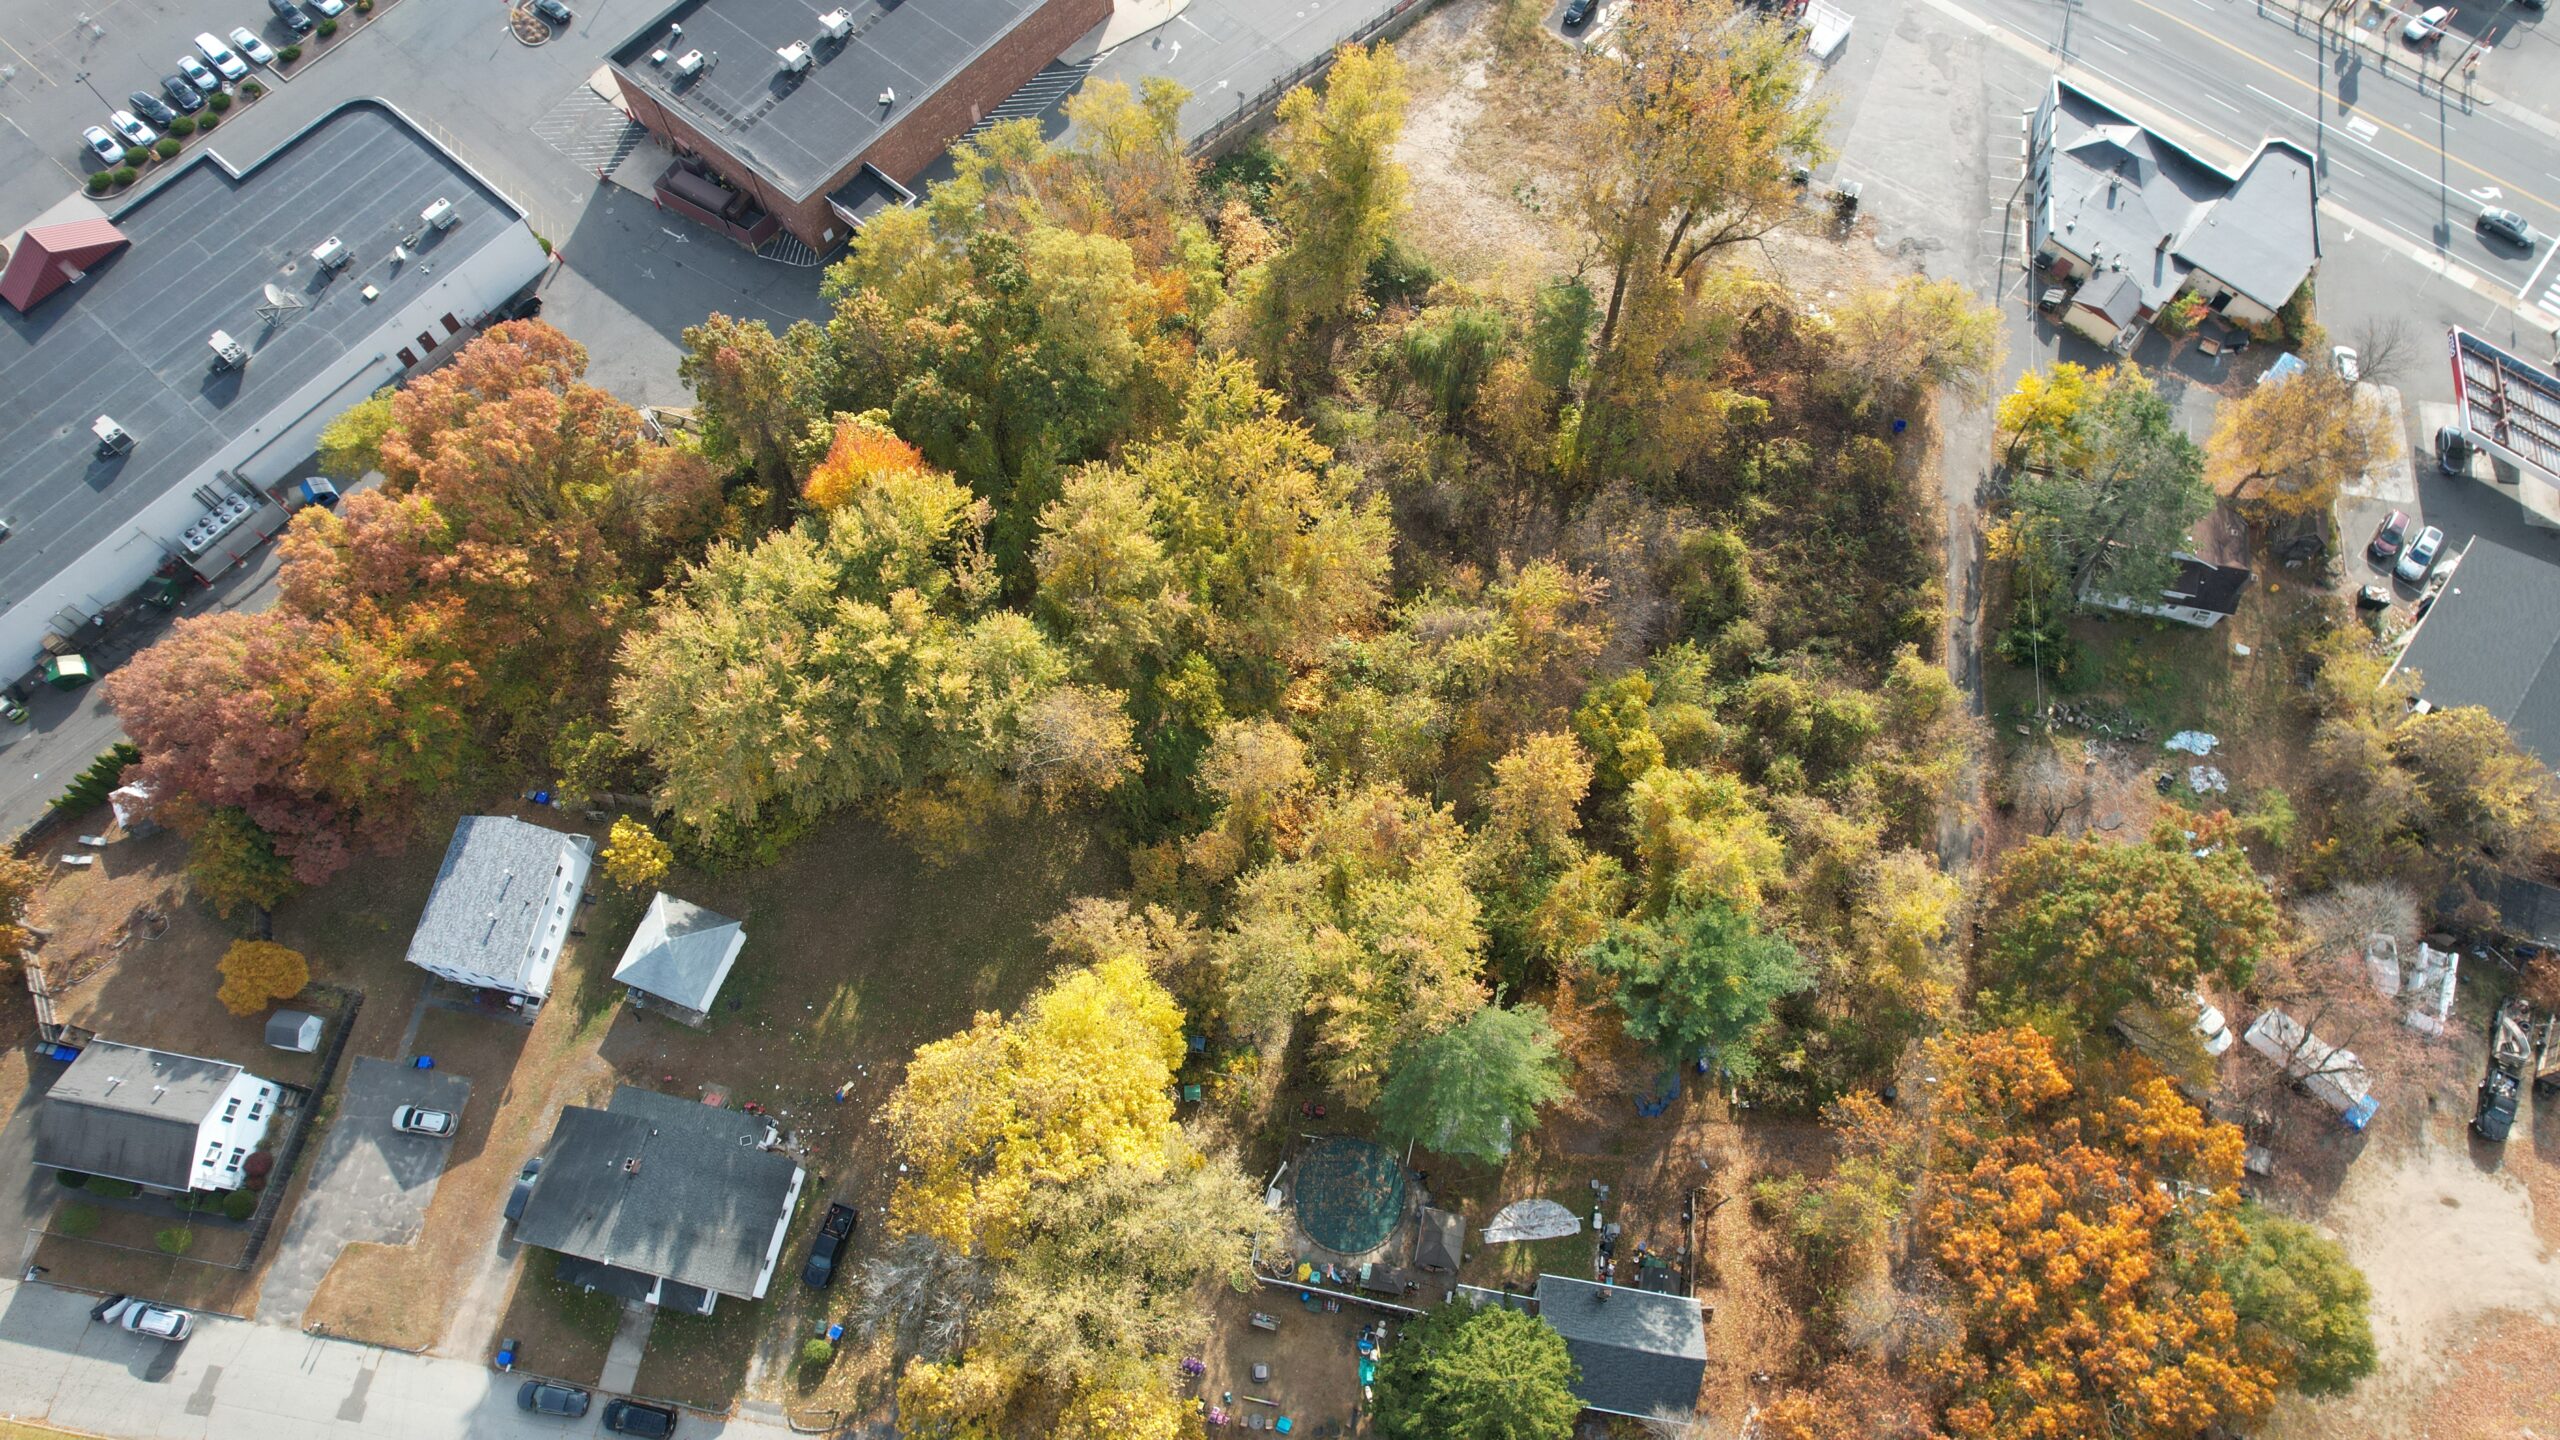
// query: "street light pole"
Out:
[83,77]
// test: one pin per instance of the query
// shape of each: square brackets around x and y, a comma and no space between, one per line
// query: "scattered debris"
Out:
[2207,780]
[2193,742]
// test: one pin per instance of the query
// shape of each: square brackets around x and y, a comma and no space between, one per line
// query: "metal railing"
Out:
[1250,109]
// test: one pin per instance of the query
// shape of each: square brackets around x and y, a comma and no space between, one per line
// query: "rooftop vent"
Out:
[836,24]
[689,63]
[113,439]
[441,215]
[228,354]
[888,97]
[795,57]
[332,254]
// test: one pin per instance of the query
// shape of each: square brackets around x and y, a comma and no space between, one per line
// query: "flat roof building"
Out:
[802,115]
[122,344]
[2491,638]
[154,1118]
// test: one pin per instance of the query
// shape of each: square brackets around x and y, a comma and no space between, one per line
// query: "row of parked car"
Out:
[215,66]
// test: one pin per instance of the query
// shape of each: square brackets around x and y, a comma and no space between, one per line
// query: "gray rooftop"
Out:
[680,952]
[2122,194]
[132,340]
[799,130]
[1639,1350]
[2489,640]
[661,1186]
[1441,1240]
[131,1113]
[490,895]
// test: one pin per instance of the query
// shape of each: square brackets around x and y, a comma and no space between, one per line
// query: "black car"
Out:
[2507,225]
[150,108]
[186,97]
[1577,11]
[543,1397]
[630,1417]
[292,16]
[2453,450]
[524,1188]
[824,1251]
[553,11]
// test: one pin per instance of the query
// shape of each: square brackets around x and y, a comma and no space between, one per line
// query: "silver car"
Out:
[419,1120]
[2420,557]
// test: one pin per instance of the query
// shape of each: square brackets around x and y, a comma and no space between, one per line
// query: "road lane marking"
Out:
[2110,44]
[2163,104]
[2225,104]
[2527,288]
[2422,176]
[2350,169]
[2361,128]
[2145,34]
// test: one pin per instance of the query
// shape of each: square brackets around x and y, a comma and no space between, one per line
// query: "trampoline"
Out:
[1350,1194]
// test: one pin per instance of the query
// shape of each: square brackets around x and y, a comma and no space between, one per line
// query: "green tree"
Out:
[1700,980]
[1468,1373]
[1340,194]
[2128,505]
[751,388]
[2295,1288]
[233,863]
[351,445]
[1473,1088]
[1447,352]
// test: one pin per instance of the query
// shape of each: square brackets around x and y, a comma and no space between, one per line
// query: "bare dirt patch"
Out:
[1487,178]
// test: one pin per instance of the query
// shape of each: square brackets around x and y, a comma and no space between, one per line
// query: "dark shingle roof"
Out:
[680,952]
[2489,640]
[1640,1351]
[490,894]
[698,1208]
[1442,1240]
[130,1113]
[2207,586]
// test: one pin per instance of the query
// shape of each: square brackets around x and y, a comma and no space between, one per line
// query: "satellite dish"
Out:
[280,306]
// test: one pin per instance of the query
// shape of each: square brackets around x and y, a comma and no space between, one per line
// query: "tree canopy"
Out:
[1463,1372]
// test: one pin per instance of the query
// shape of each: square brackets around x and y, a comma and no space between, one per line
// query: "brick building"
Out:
[807,115]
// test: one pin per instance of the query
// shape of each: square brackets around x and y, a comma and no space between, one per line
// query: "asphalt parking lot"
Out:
[369,1182]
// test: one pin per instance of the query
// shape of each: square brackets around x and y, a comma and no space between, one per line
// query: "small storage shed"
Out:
[1442,1241]
[678,958]
[295,1030]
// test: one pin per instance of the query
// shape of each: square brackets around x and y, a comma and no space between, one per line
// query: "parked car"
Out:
[2453,450]
[2345,361]
[182,93]
[151,108]
[292,16]
[106,147]
[523,1190]
[419,1120]
[219,56]
[829,1245]
[2213,1031]
[553,11]
[1577,11]
[2506,225]
[204,80]
[630,1417]
[141,1317]
[2388,537]
[544,1397]
[248,44]
[133,131]
[331,8]
[2426,25]
[2420,557]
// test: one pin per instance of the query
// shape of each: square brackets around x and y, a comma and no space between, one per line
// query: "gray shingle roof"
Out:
[2489,640]
[680,952]
[130,1113]
[664,1187]
[2263,237]
[488,903]
[1442,1241]
[1640,1351]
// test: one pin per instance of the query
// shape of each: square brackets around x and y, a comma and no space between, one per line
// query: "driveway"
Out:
[233,1380]
[369,1182]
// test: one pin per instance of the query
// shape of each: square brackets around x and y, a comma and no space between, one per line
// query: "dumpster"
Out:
[68,672]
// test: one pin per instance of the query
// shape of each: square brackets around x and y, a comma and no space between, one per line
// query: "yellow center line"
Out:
[2292,79]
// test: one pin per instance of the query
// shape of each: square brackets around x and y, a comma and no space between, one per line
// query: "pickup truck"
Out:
[2510,1056]
[828,1247]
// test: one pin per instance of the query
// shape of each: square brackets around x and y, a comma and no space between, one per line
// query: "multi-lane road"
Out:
[2399,154]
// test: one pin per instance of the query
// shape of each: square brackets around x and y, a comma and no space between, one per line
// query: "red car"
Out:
[2388,537]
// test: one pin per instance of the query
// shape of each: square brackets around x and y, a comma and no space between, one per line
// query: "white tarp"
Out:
[1531,1220]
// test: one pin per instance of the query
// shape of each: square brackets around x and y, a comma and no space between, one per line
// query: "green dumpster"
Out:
[68,672]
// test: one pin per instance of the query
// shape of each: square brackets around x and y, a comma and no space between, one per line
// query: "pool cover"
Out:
[1350,1194]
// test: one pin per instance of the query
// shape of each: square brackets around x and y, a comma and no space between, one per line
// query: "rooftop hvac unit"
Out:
[113,439]
[888,97]
[836,24]
[331,254]
[689,63]
[228,354]
[441,215]
[795,57]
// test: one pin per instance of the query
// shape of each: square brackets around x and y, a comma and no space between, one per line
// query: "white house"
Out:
[163,1121]
[502,907]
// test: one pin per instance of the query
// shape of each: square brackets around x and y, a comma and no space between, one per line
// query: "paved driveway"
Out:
[369,1182]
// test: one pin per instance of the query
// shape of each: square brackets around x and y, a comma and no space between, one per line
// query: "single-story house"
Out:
[678,958]
[1642,1353]
[295,1030]
[501,907]
[663,1200]
[1442,1241]
[2202,594]
[2141,221]
[2490,639]
[166,1122]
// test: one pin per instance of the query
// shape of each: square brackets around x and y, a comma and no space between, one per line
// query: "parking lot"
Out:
[369,1182]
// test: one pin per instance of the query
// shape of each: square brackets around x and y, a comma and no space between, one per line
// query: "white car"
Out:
[247,43]
[2420,557]
[330,8]
[419,1120]
[2350,366]
[160,1322]
[133,130]
[103,145]
[219,56]
[197,75]
[2428,24]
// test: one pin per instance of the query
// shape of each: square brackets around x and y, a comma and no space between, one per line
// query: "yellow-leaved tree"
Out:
[634,857]
[257,972]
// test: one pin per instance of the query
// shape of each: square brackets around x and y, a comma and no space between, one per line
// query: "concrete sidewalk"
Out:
[233,1380]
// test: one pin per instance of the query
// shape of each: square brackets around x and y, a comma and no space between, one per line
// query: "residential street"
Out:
[233,1380]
